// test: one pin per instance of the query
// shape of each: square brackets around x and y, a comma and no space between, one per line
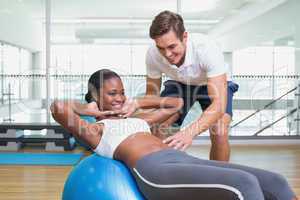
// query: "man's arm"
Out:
[217,91]
[165,107]
[153,86]
[152,89]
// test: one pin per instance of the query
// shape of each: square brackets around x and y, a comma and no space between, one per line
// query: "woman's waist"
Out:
[137,146]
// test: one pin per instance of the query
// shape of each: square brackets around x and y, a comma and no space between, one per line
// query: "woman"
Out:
[160,172]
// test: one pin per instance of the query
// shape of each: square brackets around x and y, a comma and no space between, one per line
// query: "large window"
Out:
[84,59]
[88,58]
[264,61]
[267,71]
[269,63]
[15,61]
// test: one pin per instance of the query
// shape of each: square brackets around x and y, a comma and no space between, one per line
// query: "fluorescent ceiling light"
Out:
[125,21]
[100,20]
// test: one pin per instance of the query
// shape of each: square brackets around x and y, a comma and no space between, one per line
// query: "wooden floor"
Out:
[46,182]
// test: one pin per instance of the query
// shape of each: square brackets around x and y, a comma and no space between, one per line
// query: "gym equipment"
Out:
[97,177]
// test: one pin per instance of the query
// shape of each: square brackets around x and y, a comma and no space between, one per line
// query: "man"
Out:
[197,71]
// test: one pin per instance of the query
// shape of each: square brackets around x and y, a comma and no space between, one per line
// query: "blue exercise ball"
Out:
[100,178]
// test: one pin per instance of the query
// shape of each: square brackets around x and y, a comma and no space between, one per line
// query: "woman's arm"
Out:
[90,109]
[65,113]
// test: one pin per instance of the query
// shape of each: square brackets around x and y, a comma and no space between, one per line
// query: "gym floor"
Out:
[46,182]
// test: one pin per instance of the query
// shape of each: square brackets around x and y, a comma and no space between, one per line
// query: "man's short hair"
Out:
[166,21]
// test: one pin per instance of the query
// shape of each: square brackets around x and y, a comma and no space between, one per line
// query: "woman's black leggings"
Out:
[174,175]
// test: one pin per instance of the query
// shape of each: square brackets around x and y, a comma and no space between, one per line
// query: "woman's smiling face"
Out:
[112,95]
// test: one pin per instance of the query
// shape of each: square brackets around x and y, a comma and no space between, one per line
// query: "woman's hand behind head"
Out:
[109,114]
[92,109]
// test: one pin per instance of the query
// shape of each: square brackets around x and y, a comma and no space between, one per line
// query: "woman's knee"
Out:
[248,185]
[278,179]
[274,186]
[278,184]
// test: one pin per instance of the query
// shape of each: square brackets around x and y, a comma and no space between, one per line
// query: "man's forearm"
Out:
[209,117]
[153,86]
[217,91]
[159,102]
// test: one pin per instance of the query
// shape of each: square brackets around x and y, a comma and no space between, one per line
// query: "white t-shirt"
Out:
[203,59]
[116,131]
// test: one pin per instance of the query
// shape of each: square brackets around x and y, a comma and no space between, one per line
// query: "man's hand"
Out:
[181,140]
[129,107]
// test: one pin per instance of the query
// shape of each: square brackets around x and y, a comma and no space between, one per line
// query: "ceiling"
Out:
[140,9]
[79,21]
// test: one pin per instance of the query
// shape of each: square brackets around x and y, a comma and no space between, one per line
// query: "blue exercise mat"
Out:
[8,158]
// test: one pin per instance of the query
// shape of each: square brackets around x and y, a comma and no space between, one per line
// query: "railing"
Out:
[270,102]
[276,121]
[254,89]
[264,107]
